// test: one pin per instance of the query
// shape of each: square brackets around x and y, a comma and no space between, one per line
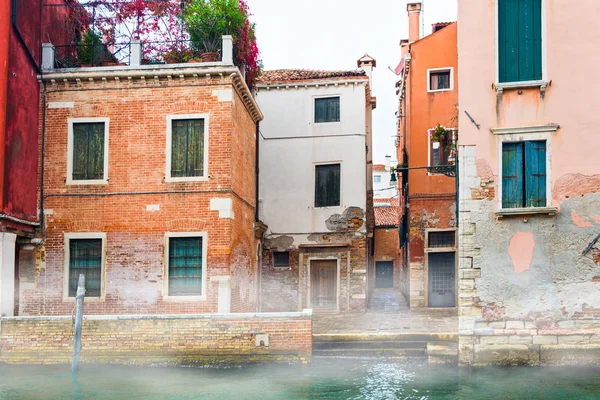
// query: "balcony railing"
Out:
[132,54]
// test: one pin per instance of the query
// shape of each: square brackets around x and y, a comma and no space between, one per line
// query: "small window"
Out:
[85,257]
[88,146]
[524,174]
[327,185]
[441,239]
[377,178]
[327,109]
[185,266]
[187,148]
[281,258]
[519,40]
[440,151]
[439,80]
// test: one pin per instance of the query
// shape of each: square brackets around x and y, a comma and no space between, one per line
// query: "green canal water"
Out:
[325,378]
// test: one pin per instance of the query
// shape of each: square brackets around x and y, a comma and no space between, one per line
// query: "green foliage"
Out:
[90,49]
[208,20]
[439,134]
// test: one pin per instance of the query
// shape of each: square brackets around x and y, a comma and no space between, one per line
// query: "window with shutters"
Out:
[84,254]
[519,40]
[524,176]
[327,185]
[440,79]
[186,264]
[327,109]
[87,151]
[186,147]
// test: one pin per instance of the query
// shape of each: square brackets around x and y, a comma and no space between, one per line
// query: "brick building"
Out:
[316,188]
[427,125]
[148,188]
[388,272]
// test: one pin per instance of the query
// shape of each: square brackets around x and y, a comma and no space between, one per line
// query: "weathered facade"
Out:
[22,27]
[387,272]
[149,189]
[316,188]
[529,182]
[428,93]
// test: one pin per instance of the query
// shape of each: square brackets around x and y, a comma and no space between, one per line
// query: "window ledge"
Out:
[526,211]
[542,84]
[87,182]
[187,179]
[183,299]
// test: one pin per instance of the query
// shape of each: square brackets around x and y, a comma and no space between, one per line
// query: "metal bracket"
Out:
[448,170]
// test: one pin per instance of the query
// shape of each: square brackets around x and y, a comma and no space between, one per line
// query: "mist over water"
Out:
[326,378]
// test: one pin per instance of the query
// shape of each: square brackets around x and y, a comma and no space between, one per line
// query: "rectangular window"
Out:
[439,80]
[441,239]
[85,257]
[440,151]
[187,148]
[520,40]
[185,266]
[377,178]
[281,258]
[327,185]
[327,109]
[524,174]
[88,157]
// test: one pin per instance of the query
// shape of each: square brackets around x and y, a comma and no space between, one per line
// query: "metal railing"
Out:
[92,55]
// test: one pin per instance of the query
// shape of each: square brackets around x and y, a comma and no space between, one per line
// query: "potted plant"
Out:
[180,55]
[439,134]
[90,49]
[207,21]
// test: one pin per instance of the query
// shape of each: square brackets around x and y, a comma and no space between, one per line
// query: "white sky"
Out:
[333,34]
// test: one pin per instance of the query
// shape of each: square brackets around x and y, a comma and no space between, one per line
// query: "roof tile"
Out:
[291,75]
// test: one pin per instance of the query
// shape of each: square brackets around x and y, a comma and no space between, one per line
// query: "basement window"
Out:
[441,239]
[281,258]
[327,109]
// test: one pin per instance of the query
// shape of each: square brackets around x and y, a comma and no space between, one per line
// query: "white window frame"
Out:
[168,236]
[444,69]
[170,119]
[67,242]
[314,181]
[525,134]
[314,108]
[453,130]
[375,178]
[70,180]
[522,84]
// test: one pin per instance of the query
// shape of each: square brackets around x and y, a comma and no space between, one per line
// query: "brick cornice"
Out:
[170,74]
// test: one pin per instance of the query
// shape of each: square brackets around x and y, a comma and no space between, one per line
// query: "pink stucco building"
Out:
[529,254]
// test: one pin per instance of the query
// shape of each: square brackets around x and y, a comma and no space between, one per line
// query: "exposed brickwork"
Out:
[192,340]
[386,249]
[135,236]
[279,284]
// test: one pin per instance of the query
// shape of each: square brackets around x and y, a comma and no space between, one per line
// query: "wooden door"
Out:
[384,273]
[323,284]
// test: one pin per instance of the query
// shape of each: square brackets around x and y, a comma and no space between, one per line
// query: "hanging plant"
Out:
[439,134]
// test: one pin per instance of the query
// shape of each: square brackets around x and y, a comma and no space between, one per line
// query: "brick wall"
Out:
[279,284]
[386,245]
[137,207]
[202,340]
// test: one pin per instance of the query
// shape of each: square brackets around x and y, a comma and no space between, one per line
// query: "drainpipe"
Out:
[256,171]
[5,13]
[42,222]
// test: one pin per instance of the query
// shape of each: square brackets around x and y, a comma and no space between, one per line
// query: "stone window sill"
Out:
[542,84]
[526,211]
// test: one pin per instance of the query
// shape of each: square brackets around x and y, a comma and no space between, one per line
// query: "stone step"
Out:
[386,337]
[390,353]
[364,345]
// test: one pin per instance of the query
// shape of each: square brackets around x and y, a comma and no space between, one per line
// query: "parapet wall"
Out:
[198,340]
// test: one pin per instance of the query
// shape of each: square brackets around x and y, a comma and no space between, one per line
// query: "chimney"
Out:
[414,21]
[367,63]
[387,162]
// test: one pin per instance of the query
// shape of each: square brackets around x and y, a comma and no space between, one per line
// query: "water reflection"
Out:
[326,378]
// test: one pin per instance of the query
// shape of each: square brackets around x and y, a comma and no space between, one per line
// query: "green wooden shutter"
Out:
[519,40]
[535,173]
[80,151]
[85,257]
[327,185]
[333,185]
[512,175]
[333,109]
[96,151]
[320,110]
[185,266]
[178,148]
[195,150]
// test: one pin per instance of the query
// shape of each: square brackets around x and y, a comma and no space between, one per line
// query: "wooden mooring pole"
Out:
[78,322]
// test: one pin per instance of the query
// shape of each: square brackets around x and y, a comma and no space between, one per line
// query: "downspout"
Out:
[256,171]
[42,170]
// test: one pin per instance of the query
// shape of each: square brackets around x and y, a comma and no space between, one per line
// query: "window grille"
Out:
[85,257]
[281,258]
[185,266]
[441,239]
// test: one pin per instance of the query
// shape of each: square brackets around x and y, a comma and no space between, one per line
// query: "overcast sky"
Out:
[333,34]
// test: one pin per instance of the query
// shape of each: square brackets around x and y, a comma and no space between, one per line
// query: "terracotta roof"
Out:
[378,167]
[393,201]
[291,75]
[386,216]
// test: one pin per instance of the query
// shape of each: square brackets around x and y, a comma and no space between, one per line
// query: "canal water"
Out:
[325,378]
